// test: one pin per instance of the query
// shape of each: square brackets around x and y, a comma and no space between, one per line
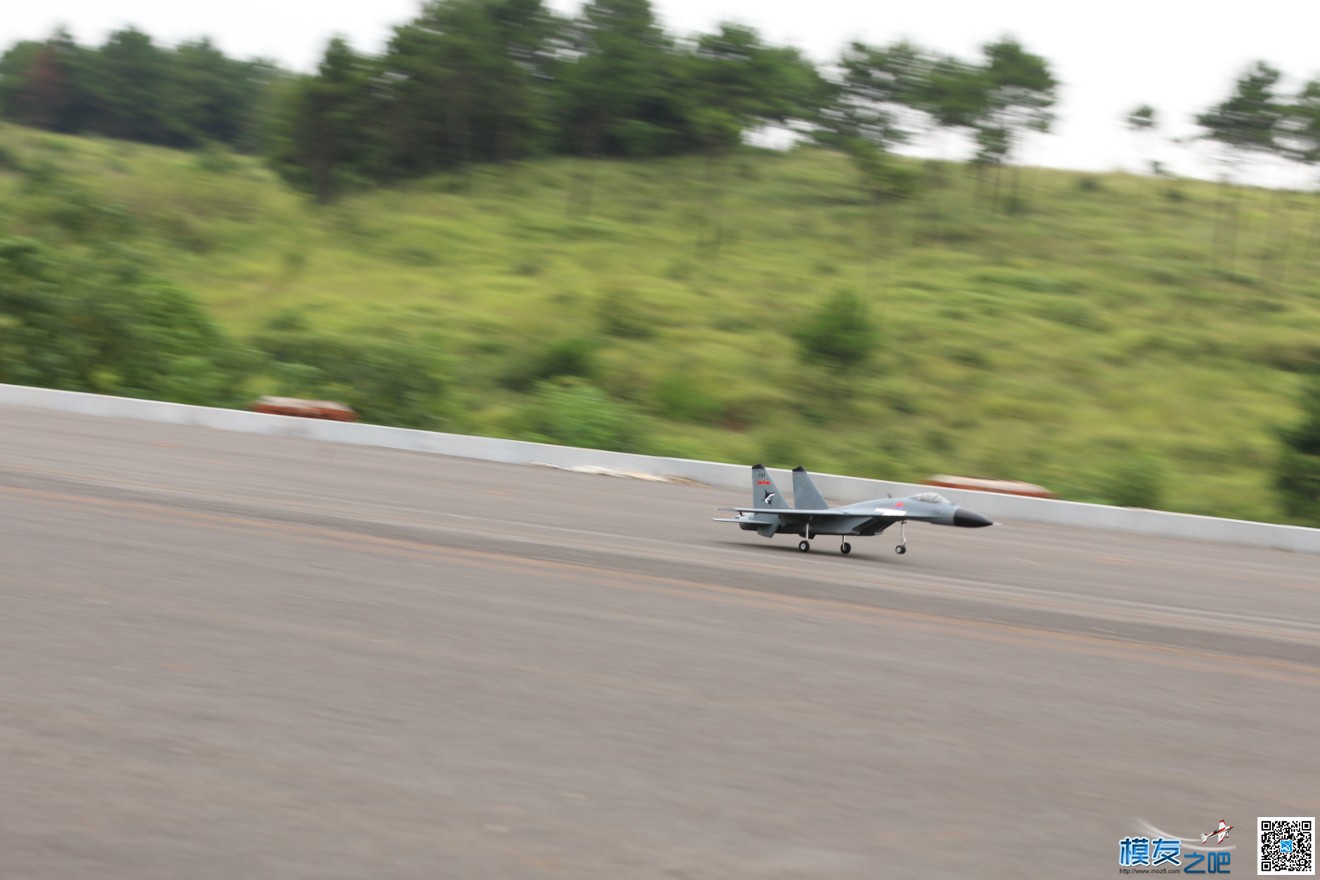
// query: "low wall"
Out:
[839,488]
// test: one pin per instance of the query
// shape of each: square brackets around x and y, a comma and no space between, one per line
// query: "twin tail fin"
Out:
[764,491]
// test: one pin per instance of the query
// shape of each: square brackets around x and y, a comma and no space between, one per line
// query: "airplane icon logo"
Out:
[1219,833]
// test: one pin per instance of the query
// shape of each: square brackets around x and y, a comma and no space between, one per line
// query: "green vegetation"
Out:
[840,335]
[1089,343]
[1298,473]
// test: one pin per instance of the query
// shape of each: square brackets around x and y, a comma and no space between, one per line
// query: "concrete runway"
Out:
[224,655]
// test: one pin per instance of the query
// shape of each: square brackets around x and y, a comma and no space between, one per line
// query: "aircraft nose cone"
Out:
[969,520]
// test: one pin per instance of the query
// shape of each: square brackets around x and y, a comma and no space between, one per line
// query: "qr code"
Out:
[1287,846]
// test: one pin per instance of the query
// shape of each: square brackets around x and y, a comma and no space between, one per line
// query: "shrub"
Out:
[621,317]
[573,356]
[394,381]
[1136,481]
[9,160]
[1297,473]
[679,396]
[840,334]
[105,324]
[575,413]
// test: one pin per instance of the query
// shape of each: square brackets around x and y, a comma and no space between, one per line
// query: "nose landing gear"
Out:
[902,537]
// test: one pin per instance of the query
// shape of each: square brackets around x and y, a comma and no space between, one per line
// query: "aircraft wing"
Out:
[879,512]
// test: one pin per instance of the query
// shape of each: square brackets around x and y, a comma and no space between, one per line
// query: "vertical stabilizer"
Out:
[764,491]
[805,494]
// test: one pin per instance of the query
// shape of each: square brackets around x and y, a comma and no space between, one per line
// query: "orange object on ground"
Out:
[980,484]
[307,409]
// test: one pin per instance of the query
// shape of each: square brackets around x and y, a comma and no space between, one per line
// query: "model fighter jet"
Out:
[771,515]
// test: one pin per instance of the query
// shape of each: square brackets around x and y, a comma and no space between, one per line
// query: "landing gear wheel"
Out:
[845,548]
[804,546]
[901,549]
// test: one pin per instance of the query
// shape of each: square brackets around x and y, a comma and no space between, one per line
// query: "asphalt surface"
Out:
[228,656]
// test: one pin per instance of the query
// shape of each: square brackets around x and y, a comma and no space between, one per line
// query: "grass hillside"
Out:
[1110,340]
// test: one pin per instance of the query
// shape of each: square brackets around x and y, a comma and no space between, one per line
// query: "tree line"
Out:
[471,81]
[133,89]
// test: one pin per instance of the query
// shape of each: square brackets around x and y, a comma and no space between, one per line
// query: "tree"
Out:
[1297,472]
[133,94]
[884,98]
[217,98]
[1020,93]
[953,94]
[323,143]
[1245,123]
[1299,136]
[1141,120]
[1299,129]
[734,83]
[132,89]
[44,85]
[620,92]
[467,81]
[735,73]
[877,97]
[1248,120]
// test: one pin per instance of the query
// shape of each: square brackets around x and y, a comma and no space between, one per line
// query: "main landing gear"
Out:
[902,536]
[845,548]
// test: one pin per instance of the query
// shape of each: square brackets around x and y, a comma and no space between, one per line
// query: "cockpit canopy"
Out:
[931,498]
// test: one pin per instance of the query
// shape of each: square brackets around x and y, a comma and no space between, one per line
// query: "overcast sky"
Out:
[1180,56]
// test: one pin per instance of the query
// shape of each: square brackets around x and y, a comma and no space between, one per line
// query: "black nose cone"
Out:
[968,520]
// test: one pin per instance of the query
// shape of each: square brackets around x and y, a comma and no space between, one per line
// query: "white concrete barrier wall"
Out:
[734,477]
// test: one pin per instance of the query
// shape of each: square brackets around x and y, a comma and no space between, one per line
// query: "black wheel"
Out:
[901,549]
[845,548]
[804,546]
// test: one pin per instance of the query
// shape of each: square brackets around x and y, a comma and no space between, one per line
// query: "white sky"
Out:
[1180,56]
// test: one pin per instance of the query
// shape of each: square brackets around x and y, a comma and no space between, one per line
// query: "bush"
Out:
[574,413]
[103,324]
[9,160]
[1136,481]
[393,381]
[680,397]
[621,317]
[840,335]
[574,356]
[1297,473]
